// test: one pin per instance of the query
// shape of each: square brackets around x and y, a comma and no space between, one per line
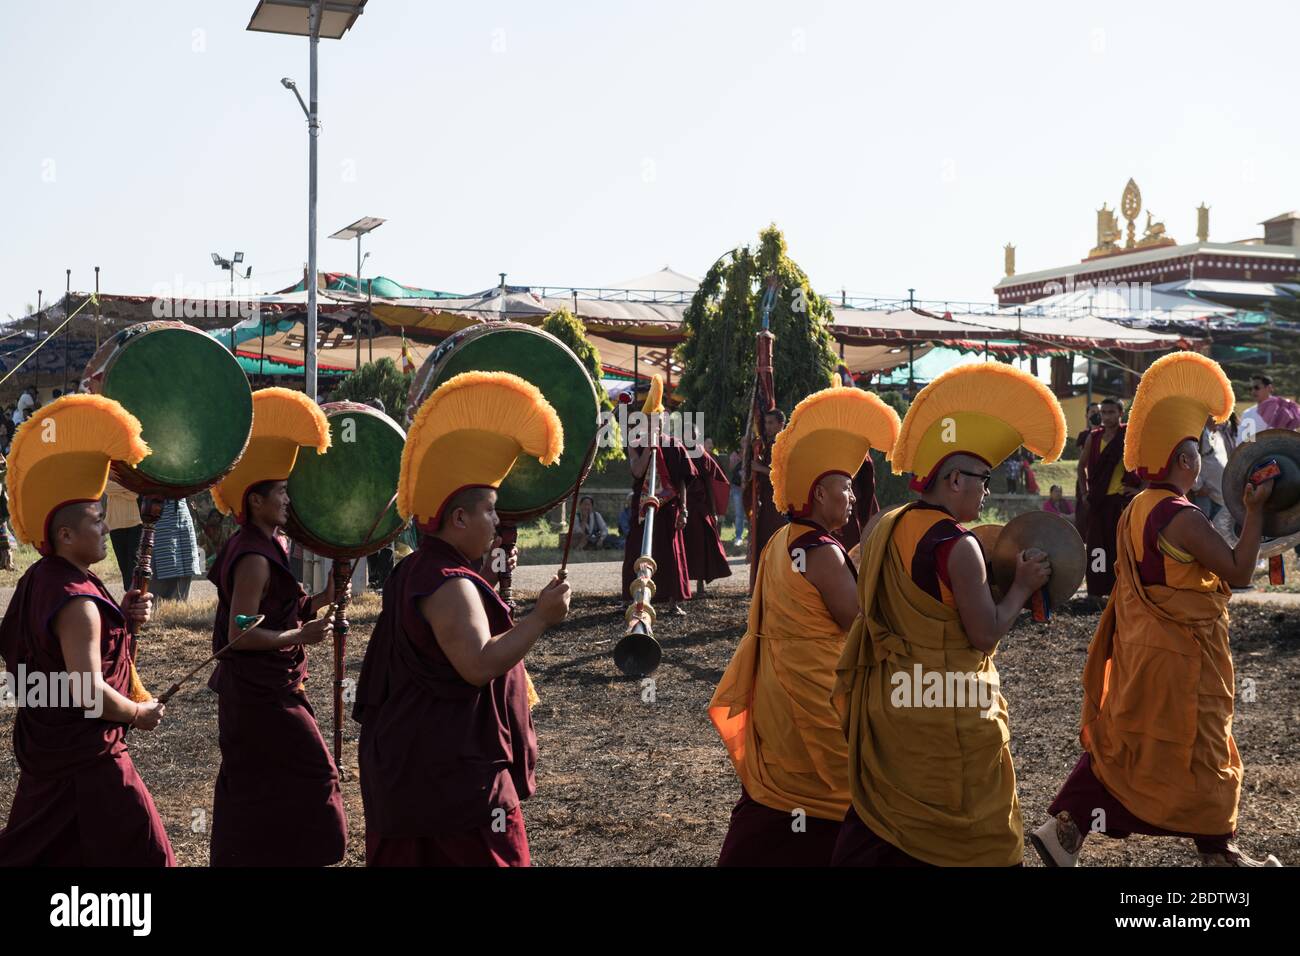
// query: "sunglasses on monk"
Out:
[974,474]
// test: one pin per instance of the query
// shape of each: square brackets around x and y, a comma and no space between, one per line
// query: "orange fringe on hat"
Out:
[89,432]
[1174,398]
[654,400]
[830,431]
[992,392]
[486,419]
[283,422]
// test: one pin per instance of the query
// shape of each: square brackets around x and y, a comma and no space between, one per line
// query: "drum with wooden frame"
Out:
[540,358]
[195,409]
[344,505]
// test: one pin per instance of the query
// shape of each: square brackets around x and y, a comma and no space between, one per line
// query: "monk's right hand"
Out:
[1033,569]
[553,602]
[1254,496]
[313,632]
[149,715]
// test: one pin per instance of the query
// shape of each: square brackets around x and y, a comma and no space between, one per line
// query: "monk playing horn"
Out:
[1158,685]
[929,768]
[447,747]
[773,705]
[276,800]
[80,801]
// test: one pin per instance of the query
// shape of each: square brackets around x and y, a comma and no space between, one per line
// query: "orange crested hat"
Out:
[61,455]
[468,434]
[1174,398]
[283,422]
[829,433]
[987,410]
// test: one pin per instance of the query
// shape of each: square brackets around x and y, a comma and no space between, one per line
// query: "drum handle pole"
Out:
[505,581]
[342,594]
[588,461]
[150,511]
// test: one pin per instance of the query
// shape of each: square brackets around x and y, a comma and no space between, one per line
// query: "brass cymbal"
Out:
[1282,510]
[987,535]
[1049,533]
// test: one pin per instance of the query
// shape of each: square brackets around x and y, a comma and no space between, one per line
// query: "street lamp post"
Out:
[355,231]
[222,262]
[312,19]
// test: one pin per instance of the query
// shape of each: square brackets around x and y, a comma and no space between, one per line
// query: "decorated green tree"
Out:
[381,380]
[722,322]
[1269,348]
[566,327]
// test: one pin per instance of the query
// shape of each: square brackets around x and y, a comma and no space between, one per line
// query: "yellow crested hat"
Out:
[829,433]
[654,399]
[1174,398]
[986,410]
[61,455]
[283,422]
[467,434]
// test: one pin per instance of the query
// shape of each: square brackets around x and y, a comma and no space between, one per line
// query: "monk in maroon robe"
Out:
[865,505]
[1107,490]
[765,519]
[447,749]
[668,548]
[277,800]
[79,800]
[705,557]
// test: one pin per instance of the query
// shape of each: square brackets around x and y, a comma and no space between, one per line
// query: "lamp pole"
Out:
[286,17]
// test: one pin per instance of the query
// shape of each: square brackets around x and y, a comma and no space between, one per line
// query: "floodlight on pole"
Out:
[355,231]
[221,262]
[312,19]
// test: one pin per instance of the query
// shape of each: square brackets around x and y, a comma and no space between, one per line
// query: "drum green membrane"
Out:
[541,360]
[337,497]
[192,400]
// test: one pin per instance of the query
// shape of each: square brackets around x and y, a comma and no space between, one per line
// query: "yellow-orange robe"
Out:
[773,705]
[937,782]
[1158,685]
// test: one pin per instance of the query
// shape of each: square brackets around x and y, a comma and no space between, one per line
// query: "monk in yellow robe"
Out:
[1158,686]
[772,706]
[930,770]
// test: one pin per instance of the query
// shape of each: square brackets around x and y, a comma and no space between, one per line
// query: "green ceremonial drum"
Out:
[540,358]
[342,504]
[192,399]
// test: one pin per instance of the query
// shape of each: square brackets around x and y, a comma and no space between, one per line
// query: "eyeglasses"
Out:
[972,474]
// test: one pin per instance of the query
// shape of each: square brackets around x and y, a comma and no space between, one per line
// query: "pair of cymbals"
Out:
[1049,533]
[1282,510]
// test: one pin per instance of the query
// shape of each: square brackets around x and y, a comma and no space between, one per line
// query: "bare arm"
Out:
[985,623]
[830,575]
[252,575]
[638,461]
[77,628]
[1192,532]
[460,625]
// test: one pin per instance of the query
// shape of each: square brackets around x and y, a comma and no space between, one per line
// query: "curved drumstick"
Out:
[246,623]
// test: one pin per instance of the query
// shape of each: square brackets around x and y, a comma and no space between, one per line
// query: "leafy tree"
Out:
[721,324]
[380,379]
[566,327]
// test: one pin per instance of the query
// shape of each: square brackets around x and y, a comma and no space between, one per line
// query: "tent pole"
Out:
[36,366]
[98,316]
[263,359]
[67,333]
[911,369]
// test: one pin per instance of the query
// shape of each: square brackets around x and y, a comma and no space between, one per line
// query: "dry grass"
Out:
[623,780]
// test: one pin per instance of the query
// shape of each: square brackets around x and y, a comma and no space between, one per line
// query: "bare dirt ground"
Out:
[627,777]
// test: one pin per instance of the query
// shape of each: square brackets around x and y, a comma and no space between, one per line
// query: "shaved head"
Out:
[962,463]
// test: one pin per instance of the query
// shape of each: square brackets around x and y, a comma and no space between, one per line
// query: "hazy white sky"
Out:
[580,143]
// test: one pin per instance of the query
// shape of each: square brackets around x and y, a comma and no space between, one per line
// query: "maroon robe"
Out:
[277,800]
[864,506]
[444,764]
[766,520]
[668,548]
[705,557]
[1104,510]
[79,800]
